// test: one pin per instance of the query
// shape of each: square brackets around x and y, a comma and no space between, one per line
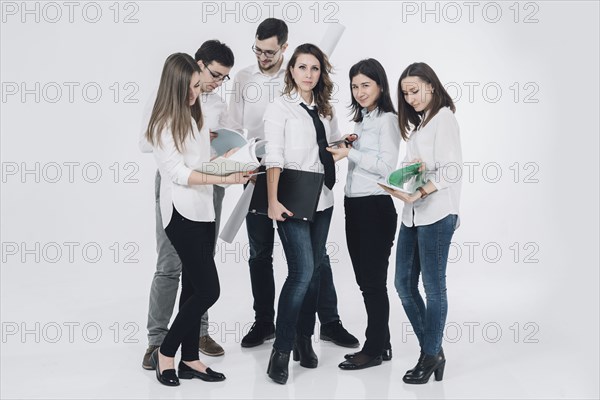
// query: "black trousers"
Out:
[194,243]
[370,231]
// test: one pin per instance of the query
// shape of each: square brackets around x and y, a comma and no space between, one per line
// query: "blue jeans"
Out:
[304,246]
[260,237]
[424,250]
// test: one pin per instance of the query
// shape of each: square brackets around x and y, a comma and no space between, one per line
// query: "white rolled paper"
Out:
[238,215]
[331,38]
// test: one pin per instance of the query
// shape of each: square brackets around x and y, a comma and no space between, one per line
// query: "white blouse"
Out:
[195,202]
[437,144]
[292,139]
[374,154]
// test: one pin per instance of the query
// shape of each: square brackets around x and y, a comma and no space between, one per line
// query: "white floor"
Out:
[78,331]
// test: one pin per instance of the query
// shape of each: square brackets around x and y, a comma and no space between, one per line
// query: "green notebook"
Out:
[401,176]
[406,179]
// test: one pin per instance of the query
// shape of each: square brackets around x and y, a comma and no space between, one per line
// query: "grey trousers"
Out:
[165,283]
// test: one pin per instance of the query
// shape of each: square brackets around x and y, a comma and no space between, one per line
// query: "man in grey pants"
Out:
[215,60]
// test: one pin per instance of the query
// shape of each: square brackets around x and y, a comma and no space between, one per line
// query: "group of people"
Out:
[298,123]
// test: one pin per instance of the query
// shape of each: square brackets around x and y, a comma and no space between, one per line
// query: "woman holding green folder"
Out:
[430,215]
[370,213]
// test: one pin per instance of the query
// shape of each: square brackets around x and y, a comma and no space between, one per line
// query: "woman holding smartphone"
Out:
[181,144]
[298,126]
[370,213]
[430,215]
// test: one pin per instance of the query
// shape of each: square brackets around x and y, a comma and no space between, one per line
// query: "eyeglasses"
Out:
[216,76]
[267,53]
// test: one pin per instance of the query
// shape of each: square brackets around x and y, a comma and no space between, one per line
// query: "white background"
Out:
[523,277]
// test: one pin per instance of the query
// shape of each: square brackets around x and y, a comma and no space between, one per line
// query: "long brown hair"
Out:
[407,115]
[323,89]
[172,101]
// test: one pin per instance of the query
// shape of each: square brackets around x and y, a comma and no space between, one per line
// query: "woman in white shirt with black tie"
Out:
[430,215]
[370,213]
[298,126]
[181,144]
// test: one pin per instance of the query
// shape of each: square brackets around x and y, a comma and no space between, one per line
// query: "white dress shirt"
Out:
[195,202]
[437,144]
[374,154]
[292,139]
[252,92]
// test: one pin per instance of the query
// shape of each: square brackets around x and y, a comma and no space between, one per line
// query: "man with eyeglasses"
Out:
[215,60]
[255,87]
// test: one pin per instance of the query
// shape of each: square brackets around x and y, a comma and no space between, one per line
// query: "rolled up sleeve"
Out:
[170,161]
[275,135]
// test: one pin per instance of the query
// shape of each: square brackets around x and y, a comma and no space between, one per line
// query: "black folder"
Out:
[298,191]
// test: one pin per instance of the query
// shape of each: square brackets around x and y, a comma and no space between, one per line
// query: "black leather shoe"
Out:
[386,355]
[258,333]
[352,365]
[186,372]
[304,352]
[336,333]
[425,367]
[278,366]
[168,376]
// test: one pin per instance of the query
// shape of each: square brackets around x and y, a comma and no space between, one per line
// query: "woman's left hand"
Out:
[405,197]
[339,153]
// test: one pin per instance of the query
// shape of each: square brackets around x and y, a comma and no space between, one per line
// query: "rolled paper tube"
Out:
[331,38]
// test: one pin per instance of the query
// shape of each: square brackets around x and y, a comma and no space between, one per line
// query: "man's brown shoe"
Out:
[209,347]
[146,362]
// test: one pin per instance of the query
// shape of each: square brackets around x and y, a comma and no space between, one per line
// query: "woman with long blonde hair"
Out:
[181,144]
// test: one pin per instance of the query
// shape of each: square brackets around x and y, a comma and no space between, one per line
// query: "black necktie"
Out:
[325,156]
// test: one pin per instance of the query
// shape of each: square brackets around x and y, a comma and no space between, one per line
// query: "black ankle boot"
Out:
[304,352]
[418,361]
[278,366]
[426,366]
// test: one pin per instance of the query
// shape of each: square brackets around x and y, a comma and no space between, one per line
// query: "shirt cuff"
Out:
[355,156]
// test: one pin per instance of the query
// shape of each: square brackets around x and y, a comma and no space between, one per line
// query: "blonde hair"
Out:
[172,101]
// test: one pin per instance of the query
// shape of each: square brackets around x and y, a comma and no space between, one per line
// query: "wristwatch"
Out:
[423,192]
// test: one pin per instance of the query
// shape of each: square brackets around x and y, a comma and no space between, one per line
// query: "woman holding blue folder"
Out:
[370,213]
[430,215]
[298,127]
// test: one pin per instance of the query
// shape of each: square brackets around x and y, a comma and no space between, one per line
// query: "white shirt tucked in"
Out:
[437,144]
[252,92]
[373,154]
[195,202]
[292,139]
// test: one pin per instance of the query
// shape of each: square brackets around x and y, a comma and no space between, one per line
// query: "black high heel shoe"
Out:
[304,352]
[278,366]
[426,366]
[386,355]
[186,372]
[168,376]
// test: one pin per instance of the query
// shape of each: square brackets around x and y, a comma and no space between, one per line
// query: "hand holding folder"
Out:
[298,191]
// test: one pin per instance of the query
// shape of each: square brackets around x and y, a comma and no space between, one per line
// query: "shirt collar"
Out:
[367,114]
[295,98]
[256,70]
